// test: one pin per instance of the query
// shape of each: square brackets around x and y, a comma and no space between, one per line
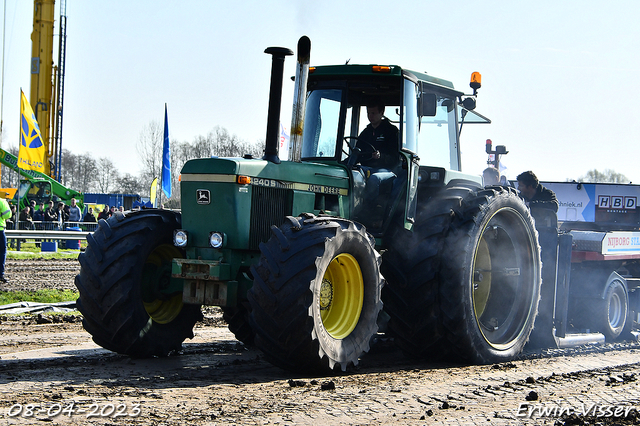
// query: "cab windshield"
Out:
[336,115]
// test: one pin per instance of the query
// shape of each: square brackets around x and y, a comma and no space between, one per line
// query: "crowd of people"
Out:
[53,214]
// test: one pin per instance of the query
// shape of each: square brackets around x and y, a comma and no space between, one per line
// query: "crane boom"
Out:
[42,71]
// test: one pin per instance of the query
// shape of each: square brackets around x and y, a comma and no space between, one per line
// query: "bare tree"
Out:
[86,173]
[149,149]
[9,175]
[106,176]
[129,184]
[607,176]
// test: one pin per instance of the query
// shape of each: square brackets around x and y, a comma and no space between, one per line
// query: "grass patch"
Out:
[61,254]
[40,296]
[29,250]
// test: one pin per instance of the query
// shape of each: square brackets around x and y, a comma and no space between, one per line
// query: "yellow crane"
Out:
[47,80]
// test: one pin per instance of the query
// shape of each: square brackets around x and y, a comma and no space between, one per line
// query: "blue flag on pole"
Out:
[166,158]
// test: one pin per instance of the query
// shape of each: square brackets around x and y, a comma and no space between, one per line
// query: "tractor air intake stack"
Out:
[275,98]
[299,98]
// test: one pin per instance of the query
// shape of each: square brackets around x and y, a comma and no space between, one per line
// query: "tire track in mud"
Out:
[40,273]
[218,380]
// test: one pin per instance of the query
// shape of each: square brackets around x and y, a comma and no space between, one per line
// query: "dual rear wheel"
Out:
[466,282]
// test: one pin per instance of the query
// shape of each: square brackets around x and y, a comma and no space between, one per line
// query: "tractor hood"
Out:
[243,198]
[313,177]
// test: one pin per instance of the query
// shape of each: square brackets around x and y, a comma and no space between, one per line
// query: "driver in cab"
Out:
[378,144]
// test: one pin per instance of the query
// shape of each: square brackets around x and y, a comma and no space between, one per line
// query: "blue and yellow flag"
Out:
[32,149]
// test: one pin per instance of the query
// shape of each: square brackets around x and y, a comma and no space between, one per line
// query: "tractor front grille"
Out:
[269,206]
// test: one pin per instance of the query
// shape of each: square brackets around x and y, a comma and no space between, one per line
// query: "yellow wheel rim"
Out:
[341,296]
[162,311]
[481,277]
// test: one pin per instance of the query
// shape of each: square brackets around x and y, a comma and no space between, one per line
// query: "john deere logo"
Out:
[203,196]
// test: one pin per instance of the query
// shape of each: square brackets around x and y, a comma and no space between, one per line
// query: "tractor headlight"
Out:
[180,238]
[216,239]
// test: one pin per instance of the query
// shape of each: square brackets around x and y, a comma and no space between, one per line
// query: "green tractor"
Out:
[305,259]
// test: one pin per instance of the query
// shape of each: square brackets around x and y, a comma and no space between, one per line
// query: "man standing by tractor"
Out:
[542,201]
[543,205]
[5,213]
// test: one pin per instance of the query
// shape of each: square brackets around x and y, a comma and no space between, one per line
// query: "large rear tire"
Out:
[411,266]
[490,278]
[122,274]
[316,294]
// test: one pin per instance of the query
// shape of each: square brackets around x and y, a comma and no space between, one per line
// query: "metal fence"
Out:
[52,226]
[38,232]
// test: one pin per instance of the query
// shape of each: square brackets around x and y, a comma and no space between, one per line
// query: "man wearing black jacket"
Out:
[543,205]
[542,201]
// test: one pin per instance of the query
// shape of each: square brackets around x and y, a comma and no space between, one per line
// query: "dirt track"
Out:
[216,380]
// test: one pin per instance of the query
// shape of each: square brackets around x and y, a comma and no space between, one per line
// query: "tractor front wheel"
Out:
[124,275]
[315,298]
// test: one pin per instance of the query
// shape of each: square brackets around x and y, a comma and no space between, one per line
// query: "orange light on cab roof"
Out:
[380,68]
[476,79]
[244,180]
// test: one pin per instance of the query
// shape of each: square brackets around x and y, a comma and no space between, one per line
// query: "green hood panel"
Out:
[213,201]
[285,172]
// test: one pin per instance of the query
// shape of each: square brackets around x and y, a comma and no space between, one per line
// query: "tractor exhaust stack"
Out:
[275,98]
[299,98]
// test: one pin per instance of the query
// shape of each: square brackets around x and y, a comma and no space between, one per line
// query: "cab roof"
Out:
[361,70]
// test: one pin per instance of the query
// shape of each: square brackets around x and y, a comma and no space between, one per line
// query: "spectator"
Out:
[26,222]
[75,214]
[50,215]
[32,207]
[61,214]
[121,209]
[104,214]
[112,211]
[89,217]
[38,216]
[491,176]
[11,223]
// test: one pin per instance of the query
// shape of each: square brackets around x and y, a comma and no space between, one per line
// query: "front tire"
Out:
[315,298]
[122,273]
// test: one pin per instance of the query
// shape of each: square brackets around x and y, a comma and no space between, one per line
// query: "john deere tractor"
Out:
[301,258]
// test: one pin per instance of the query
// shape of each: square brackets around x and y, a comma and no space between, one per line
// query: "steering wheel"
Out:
[356,152]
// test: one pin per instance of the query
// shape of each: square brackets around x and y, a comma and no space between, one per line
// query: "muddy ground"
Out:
[52,373]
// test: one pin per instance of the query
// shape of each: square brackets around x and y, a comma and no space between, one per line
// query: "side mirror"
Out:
[427,105]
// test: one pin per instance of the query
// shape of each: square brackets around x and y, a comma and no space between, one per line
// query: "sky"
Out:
[559,78]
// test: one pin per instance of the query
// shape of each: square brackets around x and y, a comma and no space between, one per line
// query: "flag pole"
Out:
[15,225]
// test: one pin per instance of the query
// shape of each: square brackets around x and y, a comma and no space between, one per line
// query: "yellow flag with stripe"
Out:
[32,149]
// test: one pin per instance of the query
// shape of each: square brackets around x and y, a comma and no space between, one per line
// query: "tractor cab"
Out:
[32,190]
[427,113]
